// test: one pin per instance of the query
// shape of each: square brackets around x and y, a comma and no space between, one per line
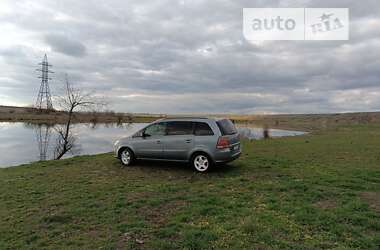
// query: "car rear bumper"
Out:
[228,159]
[227,155]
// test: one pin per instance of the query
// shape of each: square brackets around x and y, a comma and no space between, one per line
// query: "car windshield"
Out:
[156,129]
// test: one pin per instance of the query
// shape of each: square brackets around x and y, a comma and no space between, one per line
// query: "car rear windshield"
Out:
[226,127]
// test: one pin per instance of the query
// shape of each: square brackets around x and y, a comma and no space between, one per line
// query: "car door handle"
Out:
[158,142]
[188,140]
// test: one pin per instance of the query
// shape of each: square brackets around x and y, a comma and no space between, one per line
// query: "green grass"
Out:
[299,192]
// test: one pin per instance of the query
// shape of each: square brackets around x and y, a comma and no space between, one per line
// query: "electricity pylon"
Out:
[44,96]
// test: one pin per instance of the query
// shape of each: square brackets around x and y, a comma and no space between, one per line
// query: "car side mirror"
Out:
[138,134]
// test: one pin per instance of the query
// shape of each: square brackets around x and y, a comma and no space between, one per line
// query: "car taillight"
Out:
[223,142]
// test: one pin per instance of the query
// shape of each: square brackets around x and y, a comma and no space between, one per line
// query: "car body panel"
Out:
[148,147]
[176,147]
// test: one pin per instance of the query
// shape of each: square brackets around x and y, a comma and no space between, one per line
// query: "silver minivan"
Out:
[203,142]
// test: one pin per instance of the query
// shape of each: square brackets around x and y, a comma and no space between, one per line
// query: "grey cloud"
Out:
[65,45]
[176,54]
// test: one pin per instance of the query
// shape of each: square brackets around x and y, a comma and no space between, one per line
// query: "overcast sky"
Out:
[171,56]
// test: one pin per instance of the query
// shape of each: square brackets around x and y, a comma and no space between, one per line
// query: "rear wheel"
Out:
[201,162]
[126,157]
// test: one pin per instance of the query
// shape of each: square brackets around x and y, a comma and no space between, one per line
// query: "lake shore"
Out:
[313,191]
[32,115]
[303,122]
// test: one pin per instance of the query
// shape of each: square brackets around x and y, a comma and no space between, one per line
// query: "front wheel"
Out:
[126,157]
[201,162]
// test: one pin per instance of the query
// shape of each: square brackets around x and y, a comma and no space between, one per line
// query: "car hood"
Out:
[125,138]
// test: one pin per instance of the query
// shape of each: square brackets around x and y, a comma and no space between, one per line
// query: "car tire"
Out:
[126,157]
[201,162]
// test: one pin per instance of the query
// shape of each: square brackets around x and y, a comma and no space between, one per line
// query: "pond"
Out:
[23,143]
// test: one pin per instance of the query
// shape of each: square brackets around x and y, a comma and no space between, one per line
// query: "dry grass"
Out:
[304,122]
[32,115]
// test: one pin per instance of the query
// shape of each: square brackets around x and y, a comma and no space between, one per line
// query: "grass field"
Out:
[316,191]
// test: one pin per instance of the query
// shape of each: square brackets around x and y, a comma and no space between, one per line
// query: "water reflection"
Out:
[24,143]
[259,133]
[43,133]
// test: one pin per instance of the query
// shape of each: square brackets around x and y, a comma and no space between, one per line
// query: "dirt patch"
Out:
[159,215]
[373,199]
[155,215]
[326,204]
[135,241]
[57,218]
[136,196]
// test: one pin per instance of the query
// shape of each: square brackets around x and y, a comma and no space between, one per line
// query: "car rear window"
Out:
[202,128]
[179,128]
[226,127]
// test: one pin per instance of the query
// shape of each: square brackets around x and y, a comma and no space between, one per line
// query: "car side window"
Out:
[180,128]
[202,128]
[156,129]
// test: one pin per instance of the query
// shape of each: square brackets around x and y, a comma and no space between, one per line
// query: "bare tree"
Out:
[72,100]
